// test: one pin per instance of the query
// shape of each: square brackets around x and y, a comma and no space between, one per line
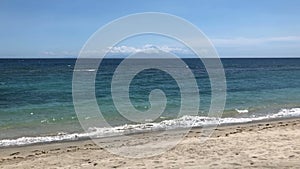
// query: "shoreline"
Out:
[273,144]
[144,132]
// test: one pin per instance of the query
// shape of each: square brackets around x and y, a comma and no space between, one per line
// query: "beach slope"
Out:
[258,145]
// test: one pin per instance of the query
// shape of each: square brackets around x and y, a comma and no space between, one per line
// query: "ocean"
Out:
[36,104]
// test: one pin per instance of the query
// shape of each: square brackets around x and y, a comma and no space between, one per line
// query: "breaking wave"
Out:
[182,122]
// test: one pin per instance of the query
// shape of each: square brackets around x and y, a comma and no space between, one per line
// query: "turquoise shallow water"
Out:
[36,94]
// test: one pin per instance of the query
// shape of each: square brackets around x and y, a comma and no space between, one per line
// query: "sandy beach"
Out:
[273,144]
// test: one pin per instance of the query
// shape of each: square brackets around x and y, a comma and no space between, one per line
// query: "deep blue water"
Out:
[36,94]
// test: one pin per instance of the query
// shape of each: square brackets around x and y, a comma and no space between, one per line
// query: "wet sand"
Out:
[273,144]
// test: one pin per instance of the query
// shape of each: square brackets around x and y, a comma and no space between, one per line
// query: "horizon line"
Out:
[221,57]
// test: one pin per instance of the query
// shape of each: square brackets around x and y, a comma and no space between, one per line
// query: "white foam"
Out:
[84,70]
[183,122]
[242,111]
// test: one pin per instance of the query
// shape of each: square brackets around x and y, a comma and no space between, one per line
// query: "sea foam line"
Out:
[183,122]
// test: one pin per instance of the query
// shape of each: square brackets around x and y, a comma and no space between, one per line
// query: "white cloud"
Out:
[237,46]
[146,49]
[58,53]
[241,41]
[48,53]
[127,50]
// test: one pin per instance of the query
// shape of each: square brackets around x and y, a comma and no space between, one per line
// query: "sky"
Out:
[237,28]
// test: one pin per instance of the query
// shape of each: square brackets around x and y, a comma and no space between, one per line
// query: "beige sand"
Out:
[261,145]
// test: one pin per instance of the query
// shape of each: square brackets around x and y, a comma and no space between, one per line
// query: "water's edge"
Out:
[174,124]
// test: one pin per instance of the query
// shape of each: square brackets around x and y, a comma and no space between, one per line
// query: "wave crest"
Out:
[182,122]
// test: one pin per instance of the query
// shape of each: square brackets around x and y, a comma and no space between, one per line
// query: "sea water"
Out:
[36,102]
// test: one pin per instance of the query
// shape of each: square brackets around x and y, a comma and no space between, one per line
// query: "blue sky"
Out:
[59,28]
